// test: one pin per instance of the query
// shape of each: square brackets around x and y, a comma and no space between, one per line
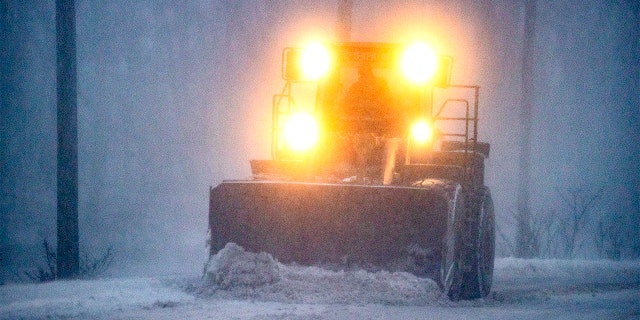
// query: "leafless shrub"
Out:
[90,266]
[561,232]
[576,227]
[543,228]
[44,274]
[505,245]
[540,240]
[609,240]
[580,205]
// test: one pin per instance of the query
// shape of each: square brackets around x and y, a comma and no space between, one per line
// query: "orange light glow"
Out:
[301,132]
[315,61]
[419,63]
[422,132]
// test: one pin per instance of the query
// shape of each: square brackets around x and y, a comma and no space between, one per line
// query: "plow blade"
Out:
[335,225]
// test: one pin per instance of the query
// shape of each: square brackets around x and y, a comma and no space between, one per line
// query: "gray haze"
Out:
[174,97]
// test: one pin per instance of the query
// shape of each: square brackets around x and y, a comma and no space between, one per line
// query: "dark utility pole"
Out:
[68,247]
[6,56]
[526,246]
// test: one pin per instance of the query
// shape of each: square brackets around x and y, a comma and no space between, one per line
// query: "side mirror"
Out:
[291,64]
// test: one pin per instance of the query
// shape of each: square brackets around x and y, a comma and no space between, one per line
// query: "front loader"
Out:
[375,164]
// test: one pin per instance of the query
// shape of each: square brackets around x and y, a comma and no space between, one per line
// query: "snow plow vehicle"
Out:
[375,164]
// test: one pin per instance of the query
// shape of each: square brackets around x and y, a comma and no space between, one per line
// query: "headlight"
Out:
[419,63]
[315,61]
[301,132]
[421,132]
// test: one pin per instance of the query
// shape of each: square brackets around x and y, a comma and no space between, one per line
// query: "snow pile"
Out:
[234,267]
[316,285]
[235,273]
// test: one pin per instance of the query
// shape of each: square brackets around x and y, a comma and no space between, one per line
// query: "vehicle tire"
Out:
[477,278]
[451,275]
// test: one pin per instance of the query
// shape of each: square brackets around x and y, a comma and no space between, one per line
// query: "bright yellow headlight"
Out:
[301,132]
[315,61]
[419,63]
[422,132]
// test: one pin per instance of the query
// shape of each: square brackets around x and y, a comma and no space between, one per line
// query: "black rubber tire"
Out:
[477,278]
[451,275]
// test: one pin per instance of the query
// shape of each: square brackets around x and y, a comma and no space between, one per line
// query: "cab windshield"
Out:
[364,93]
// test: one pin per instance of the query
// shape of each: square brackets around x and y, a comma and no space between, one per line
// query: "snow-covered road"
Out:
[523,289]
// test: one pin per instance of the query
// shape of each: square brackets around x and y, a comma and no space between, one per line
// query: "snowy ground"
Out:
[240,285]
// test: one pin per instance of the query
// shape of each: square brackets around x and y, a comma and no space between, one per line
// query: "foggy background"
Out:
[174,97]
